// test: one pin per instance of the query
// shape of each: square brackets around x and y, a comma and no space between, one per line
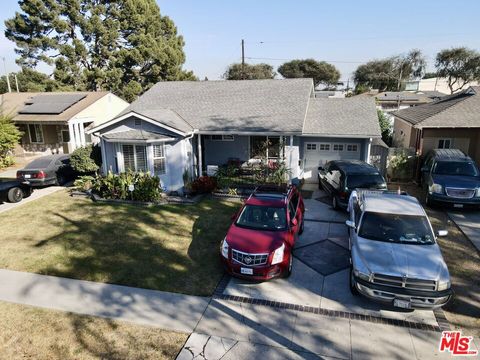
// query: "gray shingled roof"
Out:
[245,105]
[355,116]
[135,135]
[457,110]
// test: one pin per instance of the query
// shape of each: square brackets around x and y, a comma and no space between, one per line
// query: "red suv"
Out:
[259,242]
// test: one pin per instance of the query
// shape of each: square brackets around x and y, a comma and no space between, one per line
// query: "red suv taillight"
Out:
[343,195]
[19,175]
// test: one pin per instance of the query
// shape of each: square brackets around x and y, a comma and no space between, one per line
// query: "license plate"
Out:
[458,205]
[246,271]
[404,304]
[27,176]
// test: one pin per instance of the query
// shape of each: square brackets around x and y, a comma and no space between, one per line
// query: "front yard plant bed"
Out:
[170,247]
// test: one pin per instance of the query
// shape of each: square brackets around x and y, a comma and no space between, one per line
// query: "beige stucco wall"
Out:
[466,140]
[51,140]
[102,110]
[440,85]
[403,134]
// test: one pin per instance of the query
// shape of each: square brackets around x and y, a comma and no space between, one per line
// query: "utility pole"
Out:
[6,75]
[16,82]
[243,59]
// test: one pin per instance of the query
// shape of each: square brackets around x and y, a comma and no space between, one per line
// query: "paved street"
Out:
[37,194]
[469,223]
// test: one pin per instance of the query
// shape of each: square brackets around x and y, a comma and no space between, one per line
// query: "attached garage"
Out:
[336,129]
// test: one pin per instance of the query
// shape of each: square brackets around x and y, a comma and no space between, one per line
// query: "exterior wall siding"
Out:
[403,134]
[52,141]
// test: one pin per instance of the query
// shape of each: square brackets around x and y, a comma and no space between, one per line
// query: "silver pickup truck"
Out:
[394,254]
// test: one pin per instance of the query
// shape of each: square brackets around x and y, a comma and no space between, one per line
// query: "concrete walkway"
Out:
[145,307]
[37,194]
[469,223]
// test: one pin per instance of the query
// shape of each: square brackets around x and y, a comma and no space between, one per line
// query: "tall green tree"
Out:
[29,80]
[390,73]
[238,71]
[124,46]
[385,127]
[460,66]
[321,71]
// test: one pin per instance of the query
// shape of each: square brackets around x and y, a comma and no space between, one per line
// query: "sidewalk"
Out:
[141,306]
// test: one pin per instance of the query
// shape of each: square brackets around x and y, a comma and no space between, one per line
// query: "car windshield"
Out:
[263,217]
[405,229]
[365,181]
[462,168]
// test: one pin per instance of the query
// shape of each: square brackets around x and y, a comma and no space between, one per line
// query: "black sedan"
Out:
[14,190]
[48,170]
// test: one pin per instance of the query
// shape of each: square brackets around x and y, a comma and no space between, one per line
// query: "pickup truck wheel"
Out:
[288,272]
[353,288]
[15,195]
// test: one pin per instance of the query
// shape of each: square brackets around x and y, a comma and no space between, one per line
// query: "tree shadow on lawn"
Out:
[170,248]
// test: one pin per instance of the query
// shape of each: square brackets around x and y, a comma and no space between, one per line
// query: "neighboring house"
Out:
[433,84]
[451,122]
[55,122]
[396,100]
[186,126]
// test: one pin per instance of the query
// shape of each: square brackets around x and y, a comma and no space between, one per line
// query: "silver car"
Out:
[394,254]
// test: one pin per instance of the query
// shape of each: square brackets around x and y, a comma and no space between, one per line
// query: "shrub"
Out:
[86,159]
[204,184]
[84,183]
[113,186]
[9,137]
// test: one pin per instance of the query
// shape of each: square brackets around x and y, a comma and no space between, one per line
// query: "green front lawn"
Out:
[170,248]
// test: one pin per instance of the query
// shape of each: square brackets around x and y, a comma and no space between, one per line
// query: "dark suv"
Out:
[340,177]
[448,176]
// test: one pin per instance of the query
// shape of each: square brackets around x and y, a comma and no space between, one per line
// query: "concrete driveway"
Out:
[469,223]
[312,314]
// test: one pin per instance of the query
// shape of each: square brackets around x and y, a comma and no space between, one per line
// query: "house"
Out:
[188,126]
[395,100]
[451,122]
[433,84]
[55,122]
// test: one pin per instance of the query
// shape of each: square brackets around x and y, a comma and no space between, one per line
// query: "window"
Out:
[134,157]
[65,136]
[311,146]
[324,147]
[36,133]
[138,122]
[444,143]
[352,147]
[337,147]
[159,166]
[223,137]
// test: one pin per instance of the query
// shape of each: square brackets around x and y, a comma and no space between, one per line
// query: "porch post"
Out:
[71,133]
[200,165]
[369,146]
[290,158]
[104,156]
[81,129]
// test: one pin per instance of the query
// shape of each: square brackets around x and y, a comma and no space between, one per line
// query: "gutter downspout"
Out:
[369,147]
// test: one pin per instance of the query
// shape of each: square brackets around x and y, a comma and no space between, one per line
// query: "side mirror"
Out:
[442,233]
[350,224]
[294,222]
[233,216]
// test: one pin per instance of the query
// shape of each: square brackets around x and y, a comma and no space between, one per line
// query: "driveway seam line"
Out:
[331,313]
[326,221]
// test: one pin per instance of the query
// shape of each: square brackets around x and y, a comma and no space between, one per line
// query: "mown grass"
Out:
[31,333]
[170,248]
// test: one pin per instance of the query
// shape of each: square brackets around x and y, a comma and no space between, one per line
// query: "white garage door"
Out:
[318,153]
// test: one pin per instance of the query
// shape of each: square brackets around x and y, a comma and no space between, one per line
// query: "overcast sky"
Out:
[345,33]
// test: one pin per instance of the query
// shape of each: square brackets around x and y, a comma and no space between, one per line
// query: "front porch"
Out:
[53,137]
